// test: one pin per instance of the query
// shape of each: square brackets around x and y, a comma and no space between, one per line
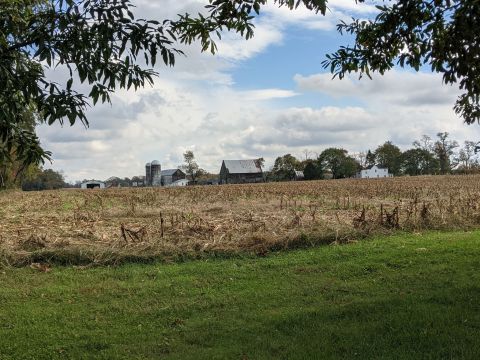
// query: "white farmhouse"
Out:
[373,173]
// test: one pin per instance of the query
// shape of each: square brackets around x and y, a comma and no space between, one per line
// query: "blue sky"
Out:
[259,98]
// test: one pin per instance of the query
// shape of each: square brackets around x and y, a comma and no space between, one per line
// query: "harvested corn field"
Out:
[83,227]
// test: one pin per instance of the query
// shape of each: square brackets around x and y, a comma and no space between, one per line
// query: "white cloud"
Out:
[267,94]
[395,87]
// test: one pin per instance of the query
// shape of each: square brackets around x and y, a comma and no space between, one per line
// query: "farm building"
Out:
[138,181]
[181,182]
[299,175]
[92,184]
[208,181]
[373,173]
[153,173]
[240,171]
[169,176]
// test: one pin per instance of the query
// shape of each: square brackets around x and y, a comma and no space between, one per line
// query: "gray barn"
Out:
[169,176]
[240,171]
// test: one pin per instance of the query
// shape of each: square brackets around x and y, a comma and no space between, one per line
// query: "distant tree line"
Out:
[427,156]
[41,179]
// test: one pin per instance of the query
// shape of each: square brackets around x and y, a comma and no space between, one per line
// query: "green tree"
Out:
[430,164]
[444,151]
[338,162]
[44,180]
[370,159]
[389,156]
[349,167]
[20,150]
[419,161]
[285,166]
[313,170]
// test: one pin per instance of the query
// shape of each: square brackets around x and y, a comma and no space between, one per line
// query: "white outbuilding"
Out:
[180,182]
[374,172]
[92,184]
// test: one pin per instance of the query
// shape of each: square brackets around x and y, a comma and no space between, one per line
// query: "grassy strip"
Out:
[405,296]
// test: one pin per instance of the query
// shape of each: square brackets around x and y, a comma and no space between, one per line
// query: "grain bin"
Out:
[156,173]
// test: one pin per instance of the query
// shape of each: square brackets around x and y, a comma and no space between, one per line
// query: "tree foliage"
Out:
[44,180]
[389,156]
[20,150]
[370,158]
[285,166]
[419,161]
[313,170]
[441,34]
[338,162]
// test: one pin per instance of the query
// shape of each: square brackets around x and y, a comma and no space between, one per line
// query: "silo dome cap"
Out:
[148,164]
[155,162]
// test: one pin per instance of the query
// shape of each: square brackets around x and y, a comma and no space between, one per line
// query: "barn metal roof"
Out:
[93,182]
[242,166]
[169,172]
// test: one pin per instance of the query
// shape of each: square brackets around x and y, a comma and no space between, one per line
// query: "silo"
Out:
[148,174]
[156,173]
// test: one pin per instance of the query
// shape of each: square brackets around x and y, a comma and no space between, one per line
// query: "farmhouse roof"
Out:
[374,166]
[242,166]
[169,172]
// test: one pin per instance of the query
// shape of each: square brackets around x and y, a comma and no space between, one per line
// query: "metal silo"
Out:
[156,173]
[148,174]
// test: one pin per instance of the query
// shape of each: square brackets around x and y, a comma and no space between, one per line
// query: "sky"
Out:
[264,97]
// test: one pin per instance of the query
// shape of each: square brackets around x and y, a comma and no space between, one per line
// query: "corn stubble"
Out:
[78,227]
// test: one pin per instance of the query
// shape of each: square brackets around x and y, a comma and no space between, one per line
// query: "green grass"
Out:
[400,297]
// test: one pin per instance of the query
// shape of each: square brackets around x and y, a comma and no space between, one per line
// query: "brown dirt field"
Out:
[116,225]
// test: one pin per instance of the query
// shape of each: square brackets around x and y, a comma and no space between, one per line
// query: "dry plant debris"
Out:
[102,226]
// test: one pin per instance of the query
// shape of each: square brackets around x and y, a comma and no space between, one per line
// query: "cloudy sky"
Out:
[259,98]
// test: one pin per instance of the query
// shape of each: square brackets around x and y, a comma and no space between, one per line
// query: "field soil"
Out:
[146,224]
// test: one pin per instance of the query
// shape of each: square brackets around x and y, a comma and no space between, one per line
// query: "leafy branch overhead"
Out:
[99,40]
[441,35]
[228,15]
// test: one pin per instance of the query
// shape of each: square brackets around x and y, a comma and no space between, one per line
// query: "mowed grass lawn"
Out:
[400,297]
